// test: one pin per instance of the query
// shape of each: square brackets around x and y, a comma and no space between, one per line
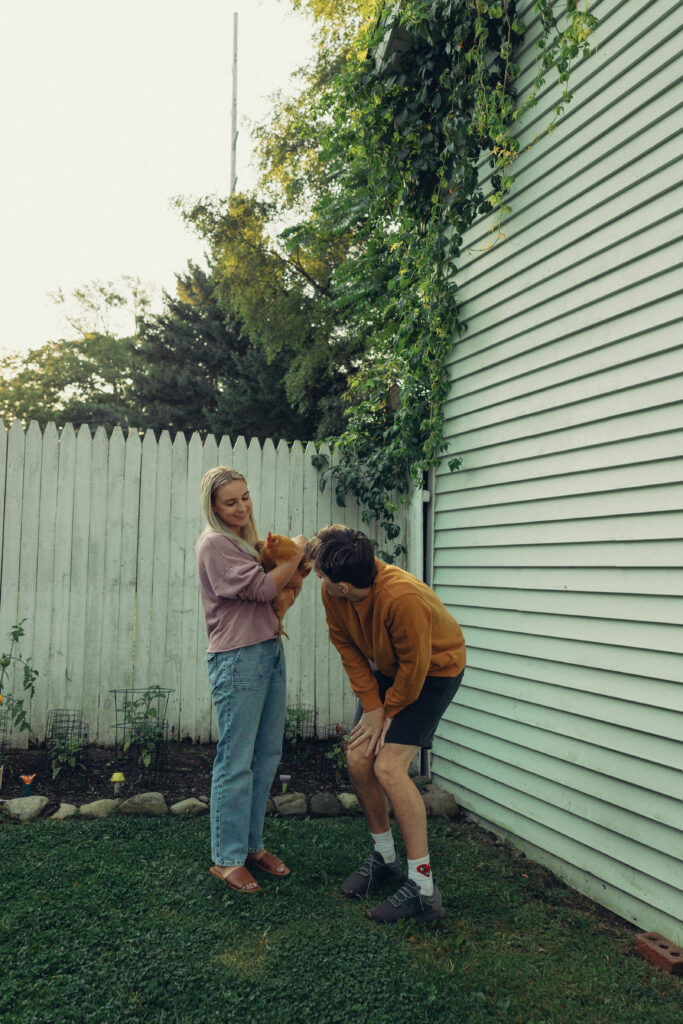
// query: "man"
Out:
[404,655]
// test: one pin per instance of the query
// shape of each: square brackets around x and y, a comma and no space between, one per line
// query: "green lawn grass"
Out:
[119,920]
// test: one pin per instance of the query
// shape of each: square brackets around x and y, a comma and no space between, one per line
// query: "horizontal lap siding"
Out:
[559,543]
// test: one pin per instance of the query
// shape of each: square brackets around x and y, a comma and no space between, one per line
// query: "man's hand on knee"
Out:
[370,730]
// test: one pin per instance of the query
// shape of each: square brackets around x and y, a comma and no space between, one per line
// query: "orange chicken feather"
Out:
[278,548]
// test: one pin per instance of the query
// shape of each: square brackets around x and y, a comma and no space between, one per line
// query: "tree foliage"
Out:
[273,267]
[198,370]
[191,367]
[417,137]
[85,379]
[280,294]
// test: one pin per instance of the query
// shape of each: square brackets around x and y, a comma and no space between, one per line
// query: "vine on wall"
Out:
[404,141]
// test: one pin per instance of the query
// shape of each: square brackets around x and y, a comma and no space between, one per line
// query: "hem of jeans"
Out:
[218,864]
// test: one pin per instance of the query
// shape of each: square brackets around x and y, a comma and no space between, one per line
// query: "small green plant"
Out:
[64,753]
[144,728]
[299,723]
[337,753]
[14,706]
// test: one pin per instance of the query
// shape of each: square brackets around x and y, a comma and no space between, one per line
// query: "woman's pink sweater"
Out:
[236,594]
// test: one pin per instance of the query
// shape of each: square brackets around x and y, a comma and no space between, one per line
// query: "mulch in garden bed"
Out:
[314,766]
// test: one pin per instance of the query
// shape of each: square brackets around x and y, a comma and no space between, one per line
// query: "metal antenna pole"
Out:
[233,132]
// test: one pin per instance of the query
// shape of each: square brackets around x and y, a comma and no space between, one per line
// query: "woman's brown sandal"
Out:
[240,879]
[269,863]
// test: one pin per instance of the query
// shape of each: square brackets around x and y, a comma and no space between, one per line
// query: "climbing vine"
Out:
[419,141]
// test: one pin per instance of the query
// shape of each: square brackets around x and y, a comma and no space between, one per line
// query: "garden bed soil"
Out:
[187,773]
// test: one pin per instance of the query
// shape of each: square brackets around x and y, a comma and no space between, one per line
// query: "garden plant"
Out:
[11,661]
[141,724]
[66,755]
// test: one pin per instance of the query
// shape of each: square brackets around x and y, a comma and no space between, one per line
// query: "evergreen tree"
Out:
[197,370]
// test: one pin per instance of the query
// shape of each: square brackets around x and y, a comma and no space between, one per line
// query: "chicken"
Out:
[277,548]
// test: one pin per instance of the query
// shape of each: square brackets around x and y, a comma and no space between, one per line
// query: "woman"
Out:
[247,676]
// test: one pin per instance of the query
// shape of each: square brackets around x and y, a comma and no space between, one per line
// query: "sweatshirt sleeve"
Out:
[354,662]
[233,573]
[410,631]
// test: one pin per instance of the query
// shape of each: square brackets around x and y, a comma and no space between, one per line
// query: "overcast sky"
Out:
[108,108]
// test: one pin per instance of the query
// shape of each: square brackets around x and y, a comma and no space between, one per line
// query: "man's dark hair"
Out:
[343,555]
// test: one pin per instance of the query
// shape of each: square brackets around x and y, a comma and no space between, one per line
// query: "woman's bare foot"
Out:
[268,862]
[237,877]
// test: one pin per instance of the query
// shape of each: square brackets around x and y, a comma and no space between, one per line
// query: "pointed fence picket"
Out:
[97,554]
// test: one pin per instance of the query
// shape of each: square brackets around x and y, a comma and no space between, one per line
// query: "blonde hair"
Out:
[211,481]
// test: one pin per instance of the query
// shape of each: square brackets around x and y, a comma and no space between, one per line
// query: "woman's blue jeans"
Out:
[248,687]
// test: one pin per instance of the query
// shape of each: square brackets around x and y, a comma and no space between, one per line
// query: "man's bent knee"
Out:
[360,766]
[392,764]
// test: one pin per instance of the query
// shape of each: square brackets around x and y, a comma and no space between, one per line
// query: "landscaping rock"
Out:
[270,806]
[26,808]
[421,781]
[439,802]
[325,805]
[64,811]
[204,799]
[190,807]
[149,805]
[349,802]
[98,808]
[291,805]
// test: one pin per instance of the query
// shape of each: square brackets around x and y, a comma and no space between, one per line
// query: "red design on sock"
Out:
[424,869]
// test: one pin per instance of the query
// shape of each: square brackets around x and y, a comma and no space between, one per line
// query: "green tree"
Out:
[192,367]
[199,370]
[279,292]
[274,267]
[85,379]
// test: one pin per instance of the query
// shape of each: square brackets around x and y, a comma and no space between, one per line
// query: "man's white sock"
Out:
[383,843]
[421,873]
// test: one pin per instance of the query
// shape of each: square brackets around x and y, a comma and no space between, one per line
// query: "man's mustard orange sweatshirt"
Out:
[402,627]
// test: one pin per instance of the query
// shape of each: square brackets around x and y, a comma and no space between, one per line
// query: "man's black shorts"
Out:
[416,724]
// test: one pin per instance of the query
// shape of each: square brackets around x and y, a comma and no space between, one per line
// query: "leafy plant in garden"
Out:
[64,754]
[143,724]
[14,706]
[337,753]
[404,139]
[299,723]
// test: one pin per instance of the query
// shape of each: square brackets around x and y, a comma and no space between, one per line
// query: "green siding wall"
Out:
[559,544]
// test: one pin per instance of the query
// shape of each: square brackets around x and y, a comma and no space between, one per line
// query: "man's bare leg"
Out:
[368,790]
[391,771]
[373,777]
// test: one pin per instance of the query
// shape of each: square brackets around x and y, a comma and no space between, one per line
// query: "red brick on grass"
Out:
[660,952]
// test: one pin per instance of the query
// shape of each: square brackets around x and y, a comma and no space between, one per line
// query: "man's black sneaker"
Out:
[409,902]
[371,876]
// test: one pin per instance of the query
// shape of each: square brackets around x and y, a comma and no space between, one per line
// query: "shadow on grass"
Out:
[119,920]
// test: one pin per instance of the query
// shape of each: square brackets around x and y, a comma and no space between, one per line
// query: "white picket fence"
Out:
[98,537]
